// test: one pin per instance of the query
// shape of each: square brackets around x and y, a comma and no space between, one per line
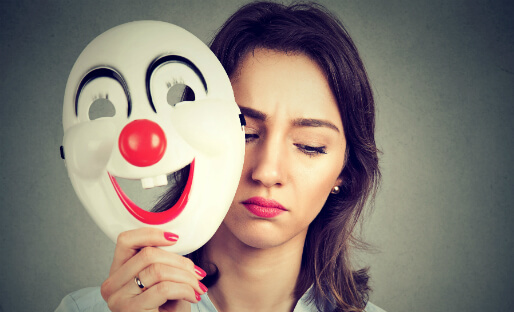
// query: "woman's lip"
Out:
[263,208]
[264,202]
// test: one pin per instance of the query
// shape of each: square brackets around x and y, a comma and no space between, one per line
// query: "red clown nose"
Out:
[142,143]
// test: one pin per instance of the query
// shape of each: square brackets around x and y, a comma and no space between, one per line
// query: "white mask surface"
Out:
[131,68]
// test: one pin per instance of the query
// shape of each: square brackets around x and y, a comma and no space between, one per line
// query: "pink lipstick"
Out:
[264,208]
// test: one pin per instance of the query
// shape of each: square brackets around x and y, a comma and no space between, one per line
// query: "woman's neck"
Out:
[254,279]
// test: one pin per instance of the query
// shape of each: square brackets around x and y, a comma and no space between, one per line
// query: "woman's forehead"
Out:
[273,82]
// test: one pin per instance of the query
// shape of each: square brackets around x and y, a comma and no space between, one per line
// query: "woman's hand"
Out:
[170,280]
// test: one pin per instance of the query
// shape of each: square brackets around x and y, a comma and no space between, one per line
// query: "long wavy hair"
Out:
[310,29]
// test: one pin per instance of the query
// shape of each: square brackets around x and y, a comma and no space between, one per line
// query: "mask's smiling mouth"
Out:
[165,215]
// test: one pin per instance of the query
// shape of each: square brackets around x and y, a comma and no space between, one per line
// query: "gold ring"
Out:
[139,283]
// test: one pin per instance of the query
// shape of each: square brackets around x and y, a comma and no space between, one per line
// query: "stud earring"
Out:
[335,190]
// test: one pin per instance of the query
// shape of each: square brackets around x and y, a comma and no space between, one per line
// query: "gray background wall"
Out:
[443,74]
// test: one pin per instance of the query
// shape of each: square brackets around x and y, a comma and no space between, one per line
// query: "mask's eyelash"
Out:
[101,96]
[175,81]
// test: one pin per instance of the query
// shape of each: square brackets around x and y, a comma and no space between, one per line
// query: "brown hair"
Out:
[312,30]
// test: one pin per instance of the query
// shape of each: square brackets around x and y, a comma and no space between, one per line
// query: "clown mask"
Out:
[132,68]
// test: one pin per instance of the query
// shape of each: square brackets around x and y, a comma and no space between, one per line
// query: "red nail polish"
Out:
[198,298]
[170,236]
[202,287]
[200,272]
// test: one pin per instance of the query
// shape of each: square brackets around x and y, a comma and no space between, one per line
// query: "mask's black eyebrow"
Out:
[172,59]
[103,72]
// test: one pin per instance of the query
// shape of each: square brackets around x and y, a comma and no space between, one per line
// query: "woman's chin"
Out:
[261,234]
[259,242]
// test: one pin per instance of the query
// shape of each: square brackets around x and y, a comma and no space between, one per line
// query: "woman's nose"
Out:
[268,165]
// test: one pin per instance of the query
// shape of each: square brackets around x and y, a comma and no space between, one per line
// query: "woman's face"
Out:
[295,147]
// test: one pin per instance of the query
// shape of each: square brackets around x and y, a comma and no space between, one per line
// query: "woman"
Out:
[310,167]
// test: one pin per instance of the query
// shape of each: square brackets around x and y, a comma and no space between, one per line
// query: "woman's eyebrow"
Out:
[299,122]
[252,113]
[310,122]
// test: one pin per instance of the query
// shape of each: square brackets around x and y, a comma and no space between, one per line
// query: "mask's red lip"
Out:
[155,218]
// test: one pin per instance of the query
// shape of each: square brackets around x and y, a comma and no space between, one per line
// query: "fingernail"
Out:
[200,272]
[197,295]
[202,287]
[170,236]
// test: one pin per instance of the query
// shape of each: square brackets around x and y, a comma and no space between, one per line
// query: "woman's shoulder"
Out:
[90,300]
[83,300]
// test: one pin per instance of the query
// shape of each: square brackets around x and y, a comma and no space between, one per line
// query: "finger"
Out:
[158,294]
[152,298]
[144,258]
[157,272]
[130,242]
[175,305]
[131,298]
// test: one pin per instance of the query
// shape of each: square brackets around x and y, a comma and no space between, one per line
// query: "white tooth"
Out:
[160,180]
[147,183]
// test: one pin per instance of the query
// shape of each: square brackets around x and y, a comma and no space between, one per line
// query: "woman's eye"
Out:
[250,137]
[311,150]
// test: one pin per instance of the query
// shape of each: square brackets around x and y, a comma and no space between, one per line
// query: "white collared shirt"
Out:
[90,300]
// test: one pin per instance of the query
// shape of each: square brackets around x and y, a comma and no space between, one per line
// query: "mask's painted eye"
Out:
[178,93]
[102,97]
[101,107]
[174,80]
